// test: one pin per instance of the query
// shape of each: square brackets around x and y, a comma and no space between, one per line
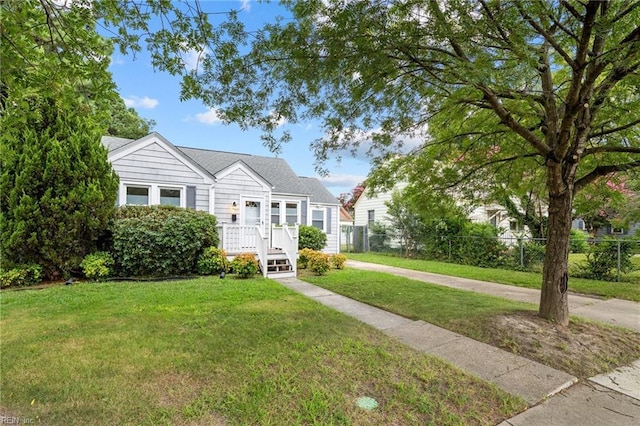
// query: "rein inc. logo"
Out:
[11,420]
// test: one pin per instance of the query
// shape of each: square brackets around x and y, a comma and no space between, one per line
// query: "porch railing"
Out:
[286,238]
[239,238]
[250,239]
[262,246]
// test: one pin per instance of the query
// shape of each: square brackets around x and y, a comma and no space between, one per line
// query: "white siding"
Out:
[377,204]
[333,233]
[501,220]
[237,187]
[153,164]
[333,239]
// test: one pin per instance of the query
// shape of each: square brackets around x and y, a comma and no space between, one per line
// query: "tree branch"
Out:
[614,130]
[608,149]
[603,171]
[490,163]
[548,37]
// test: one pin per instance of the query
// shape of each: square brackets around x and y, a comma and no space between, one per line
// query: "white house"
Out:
[370,209]
[259,201]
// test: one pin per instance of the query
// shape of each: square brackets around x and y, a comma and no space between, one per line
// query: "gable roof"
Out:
[345,216]
[112,143]
[275,171]
[317,191]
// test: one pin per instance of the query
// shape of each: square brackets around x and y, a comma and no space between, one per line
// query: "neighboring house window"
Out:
[170,196]
[371,216]
[317,219]
[291,212]
[580,224]
[138,195]
[515,226]
[617,230]
[492,215]
[275,213]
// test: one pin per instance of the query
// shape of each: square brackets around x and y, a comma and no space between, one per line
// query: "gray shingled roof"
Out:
[112,143]
[276,171]
[318,192]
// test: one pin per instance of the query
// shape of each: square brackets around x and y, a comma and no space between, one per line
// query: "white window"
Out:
[137,195]
[371,216]
[492,217]
[291,212]
[143,194]
[275,213]
[317,219]
[170,196]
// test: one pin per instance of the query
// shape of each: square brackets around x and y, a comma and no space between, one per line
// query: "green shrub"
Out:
[438,234]
[479,246]
[338,260]
[303,257]
[602,260]
[319,263]
[160,240]
[20,276]
[311,237]
[528,255]
[97,266]
[578,241]
[245,265]
[379,236]
[213,261]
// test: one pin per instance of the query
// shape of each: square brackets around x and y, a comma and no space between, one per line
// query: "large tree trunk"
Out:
[554,303]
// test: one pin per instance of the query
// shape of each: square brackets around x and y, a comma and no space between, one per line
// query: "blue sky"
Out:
[156,95]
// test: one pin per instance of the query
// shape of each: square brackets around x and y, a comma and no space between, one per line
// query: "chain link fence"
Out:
[610,259]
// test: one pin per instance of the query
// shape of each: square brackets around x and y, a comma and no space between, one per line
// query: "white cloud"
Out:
[192,58]
[209,117]
[245,5]
[137,102]
[280,120]
[342,180]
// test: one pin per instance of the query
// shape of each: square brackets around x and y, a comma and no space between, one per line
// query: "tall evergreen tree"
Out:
[57,188]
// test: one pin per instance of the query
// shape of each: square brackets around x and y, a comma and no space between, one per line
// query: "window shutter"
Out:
[329,223]
[191,197]
[303,212]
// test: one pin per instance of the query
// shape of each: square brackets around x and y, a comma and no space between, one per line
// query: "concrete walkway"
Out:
[556,399]
[622,313]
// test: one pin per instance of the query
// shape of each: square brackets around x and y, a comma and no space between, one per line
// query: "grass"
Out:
[621,290]
[212,351]
[478,316]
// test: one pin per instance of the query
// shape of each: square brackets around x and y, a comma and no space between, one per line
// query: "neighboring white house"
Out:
[258,201]
[370,209]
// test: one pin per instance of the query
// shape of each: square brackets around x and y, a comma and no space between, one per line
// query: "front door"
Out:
[252,212]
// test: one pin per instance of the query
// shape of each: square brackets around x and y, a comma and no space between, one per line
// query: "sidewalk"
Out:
[622,313]
[612,399]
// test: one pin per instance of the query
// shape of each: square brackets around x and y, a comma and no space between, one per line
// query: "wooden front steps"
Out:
[278,264]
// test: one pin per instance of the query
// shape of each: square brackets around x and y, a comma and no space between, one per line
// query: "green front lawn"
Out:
[621,290]
[211,351]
